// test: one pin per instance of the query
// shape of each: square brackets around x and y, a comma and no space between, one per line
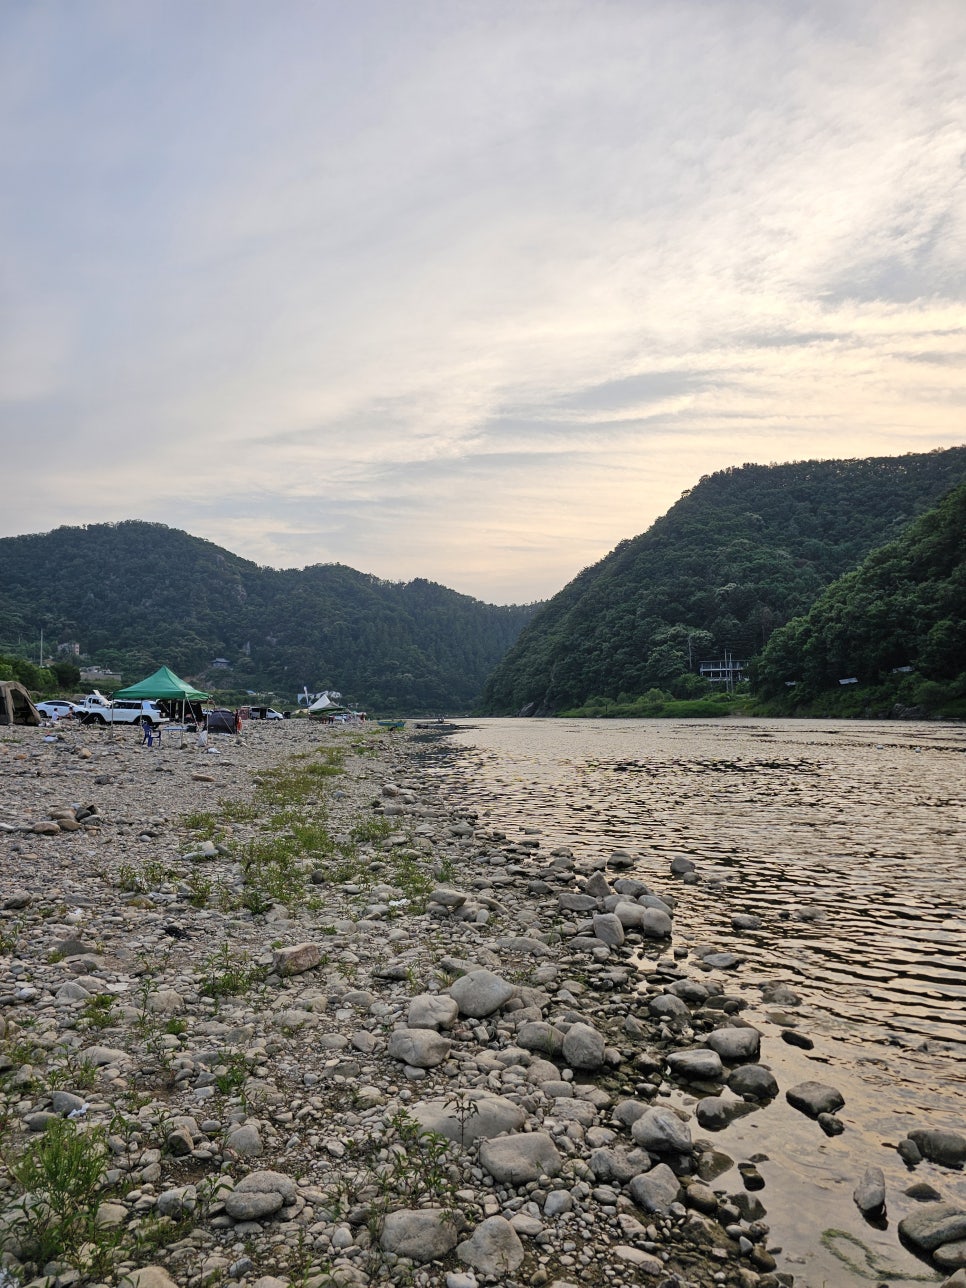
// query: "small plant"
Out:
[375,828]
[463,1109]
[155,874]
[129,879]
[231,1074]
[10,938]
[239,811]
[227,973]
[60,1178]
[201,822]
[98,1011]
[73,1074]
[199,890]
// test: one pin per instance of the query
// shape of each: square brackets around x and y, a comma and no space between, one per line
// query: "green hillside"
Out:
[135,595]
[903,607]
[738,556]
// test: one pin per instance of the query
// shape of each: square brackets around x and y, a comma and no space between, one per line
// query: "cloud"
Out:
[468,292]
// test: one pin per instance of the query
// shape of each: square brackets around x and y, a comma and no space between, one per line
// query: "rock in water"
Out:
[870,1193]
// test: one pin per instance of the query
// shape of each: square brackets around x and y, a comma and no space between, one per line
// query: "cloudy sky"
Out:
[467,289]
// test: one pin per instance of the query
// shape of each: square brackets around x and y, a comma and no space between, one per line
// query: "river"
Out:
[848,839]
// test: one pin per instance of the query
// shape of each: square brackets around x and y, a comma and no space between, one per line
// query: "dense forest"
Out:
[740,555]
[138,595]
[902,611]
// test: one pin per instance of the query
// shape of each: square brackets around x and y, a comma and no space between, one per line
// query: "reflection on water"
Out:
[848,840]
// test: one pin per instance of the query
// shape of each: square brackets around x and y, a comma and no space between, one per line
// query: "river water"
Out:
[849,841]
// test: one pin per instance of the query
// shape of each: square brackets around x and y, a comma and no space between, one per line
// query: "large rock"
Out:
[147,1277]
[583,1047]
[814,1098]
[99,1056]
[479,1117]
[698,1065]
[297,959]
[421,1048]
[259,1194]
[933,1225]
[629,914]
[661,1131]
[948,1148]
[716,1112]
[735,1045]
[480,993]
[870,1193]
[608,929]
[656,1190]
[432,1011]
[753,1081]
[950,1255]
[421,1234]
[669,1006]
[571,901]
[538,1035]
[494,1248]
[245,1141]
[614,1163]
[655,924]
[521,1158]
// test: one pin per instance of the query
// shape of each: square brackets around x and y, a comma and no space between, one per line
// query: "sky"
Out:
[469,290]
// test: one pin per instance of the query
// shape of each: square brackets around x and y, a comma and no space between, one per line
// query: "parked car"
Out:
[56,709]
[265,713]
[96,710]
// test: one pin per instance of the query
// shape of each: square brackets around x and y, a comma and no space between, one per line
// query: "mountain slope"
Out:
[904,606]
[740,554]
[135,595]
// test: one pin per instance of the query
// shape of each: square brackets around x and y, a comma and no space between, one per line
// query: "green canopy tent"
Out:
[164,686]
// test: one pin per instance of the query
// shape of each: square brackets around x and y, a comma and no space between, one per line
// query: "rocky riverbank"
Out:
[276,1013]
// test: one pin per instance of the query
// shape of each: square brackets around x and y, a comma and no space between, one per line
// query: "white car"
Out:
[96,710]
[56,709]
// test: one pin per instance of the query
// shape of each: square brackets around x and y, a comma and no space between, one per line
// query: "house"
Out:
[722,670]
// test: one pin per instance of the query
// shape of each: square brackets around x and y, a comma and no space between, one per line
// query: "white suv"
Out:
[126,711]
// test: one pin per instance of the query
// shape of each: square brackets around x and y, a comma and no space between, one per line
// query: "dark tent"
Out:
[221,721]
[16,707]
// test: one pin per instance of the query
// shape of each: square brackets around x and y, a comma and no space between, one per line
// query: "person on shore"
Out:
[147,735]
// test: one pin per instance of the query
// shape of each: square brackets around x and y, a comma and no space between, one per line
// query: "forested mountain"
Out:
[137,595]
[739,555]
[904,606]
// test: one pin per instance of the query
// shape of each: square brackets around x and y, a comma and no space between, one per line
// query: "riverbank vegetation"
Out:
[743,553]
[891,634]
[133,596]
[658,705]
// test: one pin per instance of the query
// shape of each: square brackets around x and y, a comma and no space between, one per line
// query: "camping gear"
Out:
[221,721]
[16,707]
[164,686]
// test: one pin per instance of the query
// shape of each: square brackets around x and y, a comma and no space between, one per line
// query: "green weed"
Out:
[98,1011]
[375,828]
[231,1074]
[226,974]
[60,1179]
[202,822]
[199,890]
